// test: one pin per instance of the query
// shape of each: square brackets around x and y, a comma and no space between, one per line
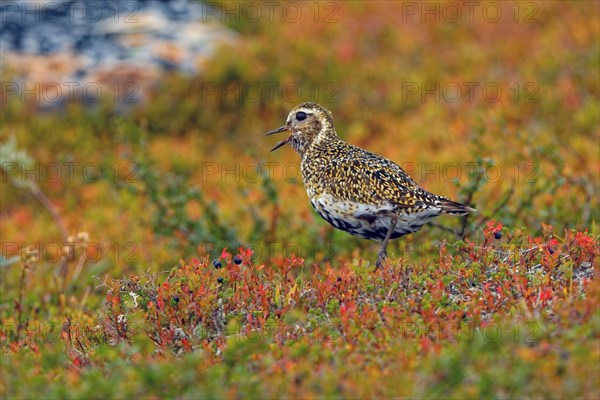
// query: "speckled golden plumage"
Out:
[355,190]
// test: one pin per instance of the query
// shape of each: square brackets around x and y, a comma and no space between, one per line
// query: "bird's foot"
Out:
[380,259]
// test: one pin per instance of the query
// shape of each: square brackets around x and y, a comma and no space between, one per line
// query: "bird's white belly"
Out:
[369,221]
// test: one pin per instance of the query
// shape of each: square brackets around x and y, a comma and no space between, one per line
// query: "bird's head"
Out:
[307,124]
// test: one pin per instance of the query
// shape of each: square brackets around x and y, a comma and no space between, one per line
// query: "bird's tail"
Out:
[455,208]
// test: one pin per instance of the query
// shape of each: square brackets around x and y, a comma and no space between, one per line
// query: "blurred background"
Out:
[132,132]
[132,143]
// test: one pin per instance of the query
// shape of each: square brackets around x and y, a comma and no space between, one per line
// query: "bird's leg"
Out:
[383,249]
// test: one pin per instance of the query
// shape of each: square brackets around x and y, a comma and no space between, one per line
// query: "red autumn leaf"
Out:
[224,253]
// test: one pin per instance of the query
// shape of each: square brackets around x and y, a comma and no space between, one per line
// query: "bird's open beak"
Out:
[282,129]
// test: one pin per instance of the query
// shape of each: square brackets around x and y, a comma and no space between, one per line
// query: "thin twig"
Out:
[20,302]
[44,201]
[444,228]
[499,207]
[37,193]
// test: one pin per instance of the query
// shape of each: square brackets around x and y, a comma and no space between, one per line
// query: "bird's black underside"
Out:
[358,229]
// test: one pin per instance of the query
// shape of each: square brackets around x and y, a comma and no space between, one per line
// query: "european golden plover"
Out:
[355,190]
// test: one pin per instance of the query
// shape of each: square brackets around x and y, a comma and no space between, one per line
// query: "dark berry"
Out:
[498,235]
[217,264]
[220,280]
[550,250]
[237,260]
[339,279]
[176,299]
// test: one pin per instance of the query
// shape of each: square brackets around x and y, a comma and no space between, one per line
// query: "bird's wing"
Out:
[366,178]
[411,195]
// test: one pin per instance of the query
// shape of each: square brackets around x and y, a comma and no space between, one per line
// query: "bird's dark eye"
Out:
[301,116]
